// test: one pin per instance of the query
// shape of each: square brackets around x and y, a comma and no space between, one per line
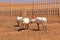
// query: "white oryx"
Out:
[42,20]
[24,21]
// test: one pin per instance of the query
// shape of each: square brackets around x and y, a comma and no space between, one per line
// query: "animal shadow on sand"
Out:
[35,29]
[24,28]
[16,26]
[21,29]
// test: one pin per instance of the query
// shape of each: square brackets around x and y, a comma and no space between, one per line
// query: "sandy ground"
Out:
[8,31]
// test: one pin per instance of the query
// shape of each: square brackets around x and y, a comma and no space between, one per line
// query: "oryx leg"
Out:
[38,25]
[44,26]
[22,25]
[18,23]
[27,26]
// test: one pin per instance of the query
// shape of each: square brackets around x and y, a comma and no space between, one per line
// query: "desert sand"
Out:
[9,31]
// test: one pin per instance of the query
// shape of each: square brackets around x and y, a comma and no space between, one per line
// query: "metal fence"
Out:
[52,14]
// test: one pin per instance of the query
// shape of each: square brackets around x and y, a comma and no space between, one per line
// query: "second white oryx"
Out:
[41,20]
